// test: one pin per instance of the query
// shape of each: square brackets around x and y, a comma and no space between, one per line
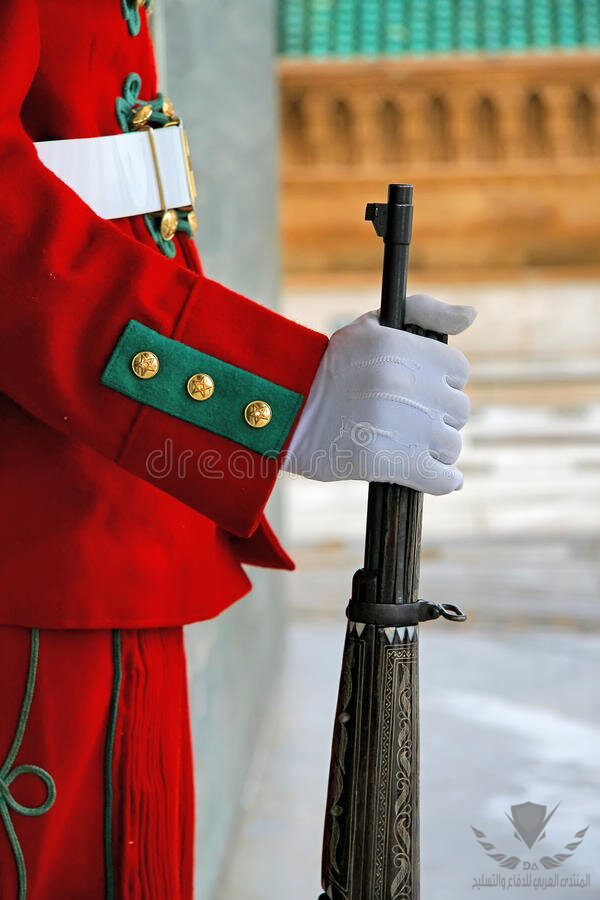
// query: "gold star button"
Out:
[258,414]
[145,364]
[141,116]
[200,386]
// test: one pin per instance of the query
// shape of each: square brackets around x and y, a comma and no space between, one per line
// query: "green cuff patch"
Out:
[223,412]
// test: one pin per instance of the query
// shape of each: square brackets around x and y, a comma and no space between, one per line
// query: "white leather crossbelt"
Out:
[125,174]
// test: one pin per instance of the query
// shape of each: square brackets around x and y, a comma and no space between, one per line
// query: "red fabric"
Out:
[82,542]
[66,734]
[153,770]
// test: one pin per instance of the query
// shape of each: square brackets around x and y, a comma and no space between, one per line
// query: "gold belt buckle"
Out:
[169,219]
[188,166]
[185,144]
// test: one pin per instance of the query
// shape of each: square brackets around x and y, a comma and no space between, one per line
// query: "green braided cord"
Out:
[125,108]
[153,226]
[25,706]
[183,222]
[132,87]
[130,101]
[131,14]
[29,810]
[126,105]
[8,774]
[16,849]
[108,760]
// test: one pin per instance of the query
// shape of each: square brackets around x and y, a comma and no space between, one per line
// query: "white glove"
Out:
[387,405]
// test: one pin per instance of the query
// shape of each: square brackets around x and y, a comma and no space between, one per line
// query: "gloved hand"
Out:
[387,405]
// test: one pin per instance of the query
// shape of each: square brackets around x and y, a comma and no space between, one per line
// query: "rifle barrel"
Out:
[371,837]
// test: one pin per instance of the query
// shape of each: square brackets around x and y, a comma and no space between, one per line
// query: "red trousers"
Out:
[96,777]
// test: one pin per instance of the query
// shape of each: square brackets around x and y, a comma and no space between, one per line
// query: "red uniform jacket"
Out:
[115,512]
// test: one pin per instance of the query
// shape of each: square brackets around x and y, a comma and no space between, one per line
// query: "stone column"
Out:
[561,126]
[593,91]
[293,130]
[414,106]
[318,110]
[462,104]
[365,106]
[217,62]
[510,102]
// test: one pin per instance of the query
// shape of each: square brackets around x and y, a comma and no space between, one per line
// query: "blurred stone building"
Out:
[491,108]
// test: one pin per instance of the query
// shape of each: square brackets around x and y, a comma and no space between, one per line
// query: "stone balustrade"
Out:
[350,123]
[467,110]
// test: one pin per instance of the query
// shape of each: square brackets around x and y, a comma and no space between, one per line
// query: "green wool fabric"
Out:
[223,413]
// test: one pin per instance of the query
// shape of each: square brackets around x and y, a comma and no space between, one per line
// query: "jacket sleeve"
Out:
[80,300]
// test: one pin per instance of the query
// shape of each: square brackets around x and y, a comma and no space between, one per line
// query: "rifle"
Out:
[371,834]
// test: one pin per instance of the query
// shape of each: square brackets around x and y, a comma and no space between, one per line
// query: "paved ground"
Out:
[511,700]
[507,717]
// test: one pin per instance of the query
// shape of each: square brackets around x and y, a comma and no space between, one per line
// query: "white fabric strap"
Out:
[116,174]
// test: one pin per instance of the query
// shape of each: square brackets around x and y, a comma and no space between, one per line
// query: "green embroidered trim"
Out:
[131,14]
[125,108]
[223,413]
[108,760]
[7,776]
